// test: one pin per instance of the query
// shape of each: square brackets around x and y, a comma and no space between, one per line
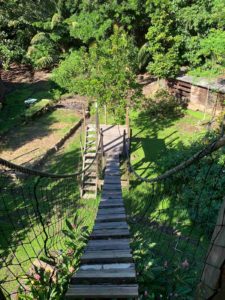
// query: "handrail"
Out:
[217,144]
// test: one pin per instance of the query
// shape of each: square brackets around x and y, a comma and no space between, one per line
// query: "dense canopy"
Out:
[168,34]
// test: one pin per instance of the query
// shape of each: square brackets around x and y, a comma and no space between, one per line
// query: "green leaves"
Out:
[105,73]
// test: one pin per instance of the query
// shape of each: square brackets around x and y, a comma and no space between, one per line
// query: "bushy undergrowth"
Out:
[164,104]
[51,284]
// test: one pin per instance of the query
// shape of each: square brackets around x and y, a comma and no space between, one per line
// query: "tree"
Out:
[106,72]
[163,39]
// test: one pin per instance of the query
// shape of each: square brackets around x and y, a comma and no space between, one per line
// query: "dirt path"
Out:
[29,143]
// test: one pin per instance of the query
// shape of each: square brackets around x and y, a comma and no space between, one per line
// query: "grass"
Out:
[23,238]
[14,108]
[160,216]
[27,143]
[155,138]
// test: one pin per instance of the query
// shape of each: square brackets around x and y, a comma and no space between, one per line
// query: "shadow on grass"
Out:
[24,210]
[176,215]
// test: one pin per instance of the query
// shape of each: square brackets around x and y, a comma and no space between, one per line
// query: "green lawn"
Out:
[163,230]
[14,108]
[57,200]
[152,138]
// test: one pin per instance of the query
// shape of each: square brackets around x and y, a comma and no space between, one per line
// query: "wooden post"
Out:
[97,126]
[105,107]
[128,158]
[102,158]
[212,284]
[124,143]
[84,117]
[127,117]
[97,141]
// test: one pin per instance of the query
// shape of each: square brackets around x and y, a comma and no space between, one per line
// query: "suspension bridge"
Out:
[107,268]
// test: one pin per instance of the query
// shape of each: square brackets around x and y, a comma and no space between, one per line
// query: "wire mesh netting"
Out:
[33,215]
[173,220]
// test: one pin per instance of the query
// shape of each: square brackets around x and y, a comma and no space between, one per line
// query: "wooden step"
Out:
[112,199]
[90,173]
[112,186]
[109,233]
[106,273]
[102,291]
[90,161]
[90,149]
[110,204]
[89,188]
[89,155]
[114,244]
[110,256]
[112,181]
[110,218]
[114,177]
[90,143]
[112,225]
[89,181]
[106,211]
[111,195]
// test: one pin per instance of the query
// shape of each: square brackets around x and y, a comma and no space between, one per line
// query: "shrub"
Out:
[37,107]
[164,105]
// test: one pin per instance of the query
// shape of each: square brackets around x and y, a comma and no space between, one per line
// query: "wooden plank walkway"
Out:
[107,269]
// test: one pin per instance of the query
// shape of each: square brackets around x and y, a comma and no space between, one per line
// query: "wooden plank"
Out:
[111,177]
[109,233]
[112,186]
[102,291]
[111,225]
[111,193]
[114,200]
[110,204]
[112,181]
[107,246]
[104,211]
[120,275]
[109,242]
[112,196]
[110,218]
[107,256]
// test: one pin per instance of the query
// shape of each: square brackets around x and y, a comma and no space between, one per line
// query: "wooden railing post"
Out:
[84,117]
[97,126]
[97,144]
[127,117]
[105,107]
[212,284]
[128,156]
[124,143]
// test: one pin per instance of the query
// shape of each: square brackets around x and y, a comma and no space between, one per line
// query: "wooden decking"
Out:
[107,269]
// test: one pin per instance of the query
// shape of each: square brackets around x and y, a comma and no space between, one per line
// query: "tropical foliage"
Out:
[169,34]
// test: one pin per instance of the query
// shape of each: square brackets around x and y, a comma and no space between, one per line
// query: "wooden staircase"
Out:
[89,178]
[107,269]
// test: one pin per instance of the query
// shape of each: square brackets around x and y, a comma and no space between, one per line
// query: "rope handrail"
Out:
[34,172]
[217,144]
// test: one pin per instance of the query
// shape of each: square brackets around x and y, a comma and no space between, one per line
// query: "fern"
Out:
[56,19]
[143,56]
[30,51]
[44,62]
[39,38]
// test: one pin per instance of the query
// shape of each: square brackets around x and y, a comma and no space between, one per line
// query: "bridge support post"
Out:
[212,285]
